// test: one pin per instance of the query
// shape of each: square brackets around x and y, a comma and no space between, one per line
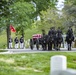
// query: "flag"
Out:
[12,28]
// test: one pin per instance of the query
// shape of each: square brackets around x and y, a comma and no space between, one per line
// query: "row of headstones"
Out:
[59,66]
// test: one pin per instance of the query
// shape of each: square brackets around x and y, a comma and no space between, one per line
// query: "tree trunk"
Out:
[8,35]
[22,32]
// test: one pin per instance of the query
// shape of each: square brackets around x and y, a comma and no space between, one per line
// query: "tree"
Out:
[17,13]
[5,13]
[23,13]
[70,12]
[49,19]
[41,5]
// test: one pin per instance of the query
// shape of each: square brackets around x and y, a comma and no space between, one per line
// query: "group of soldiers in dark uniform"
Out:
[54,38]
[16,42]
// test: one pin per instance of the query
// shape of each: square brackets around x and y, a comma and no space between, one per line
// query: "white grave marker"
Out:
[58,62]
[64,72]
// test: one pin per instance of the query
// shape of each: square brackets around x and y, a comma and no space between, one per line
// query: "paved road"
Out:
[13,51]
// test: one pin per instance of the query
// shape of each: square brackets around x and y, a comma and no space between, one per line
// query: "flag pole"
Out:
[8,35]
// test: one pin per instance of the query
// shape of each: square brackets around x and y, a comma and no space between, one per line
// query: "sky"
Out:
[60,4]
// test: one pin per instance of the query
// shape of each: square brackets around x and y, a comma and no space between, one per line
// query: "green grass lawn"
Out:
[32,63]
[3,50]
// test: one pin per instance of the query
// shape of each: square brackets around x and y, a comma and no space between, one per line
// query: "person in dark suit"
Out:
[69,37]
[59,38]
[10,42]
[16,42]
[21,42]
[52,38]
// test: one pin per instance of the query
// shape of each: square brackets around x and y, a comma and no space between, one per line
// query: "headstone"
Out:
[68,72]
[58,62]
[64,72]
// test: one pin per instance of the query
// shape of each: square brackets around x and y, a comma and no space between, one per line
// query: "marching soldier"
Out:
[69,31]
[10,42]
[21,42]
[69,38]
[44,40]
[50,39]
[59,31]
[52,34]
[59,38]
[16,42]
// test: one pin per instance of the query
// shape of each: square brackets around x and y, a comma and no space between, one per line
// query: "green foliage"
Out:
[3,40]
[21,11]
[70,8]
[49,19]
[32,64]
[4,7]
[5,13]
[31,31]
[70,14]
[23,15]
[41,5]
[3,50]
